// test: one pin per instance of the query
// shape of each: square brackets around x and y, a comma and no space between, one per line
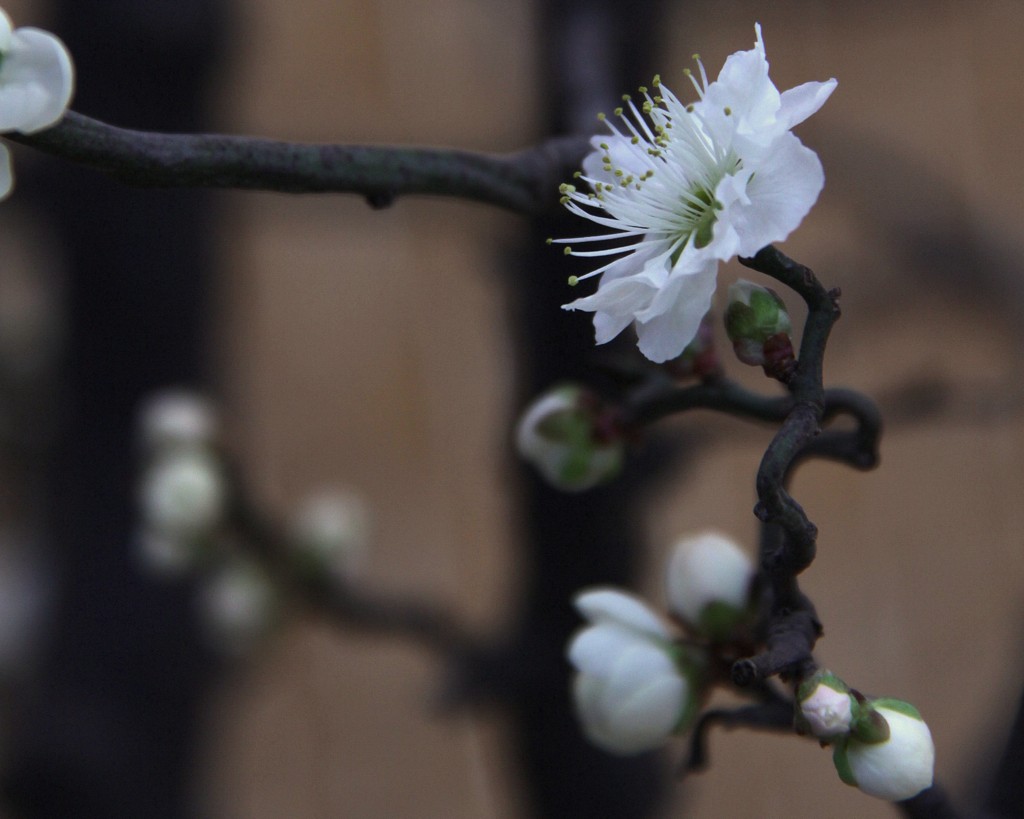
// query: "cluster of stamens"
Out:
[685,160]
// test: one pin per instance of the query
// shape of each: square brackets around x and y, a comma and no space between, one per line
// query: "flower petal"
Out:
[682,303]
[780,194]
[596,649]
[36,81]
[632,671]
[613,606]
[648,718]
[804,100]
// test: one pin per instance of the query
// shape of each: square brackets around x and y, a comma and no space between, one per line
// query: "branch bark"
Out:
[524,182]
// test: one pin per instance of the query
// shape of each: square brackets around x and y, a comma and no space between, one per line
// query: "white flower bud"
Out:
[630,694]
[899,767]
[561,435]
[182,497]
[36,82]
[826,705]
[175,420]
[709,579]
[331,529]
[237,606]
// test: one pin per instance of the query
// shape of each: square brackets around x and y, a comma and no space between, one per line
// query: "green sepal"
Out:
[740,321]
[718,620]
[867,725]
[692,663]
[822,677]
[842,763]
[899,706]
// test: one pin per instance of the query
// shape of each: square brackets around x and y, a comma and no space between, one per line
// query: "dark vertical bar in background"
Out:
[110,725]
[592,52]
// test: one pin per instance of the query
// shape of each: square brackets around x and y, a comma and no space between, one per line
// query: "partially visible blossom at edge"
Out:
[36,82]
[684,187]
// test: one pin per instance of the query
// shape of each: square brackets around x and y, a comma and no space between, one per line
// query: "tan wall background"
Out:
[371,349]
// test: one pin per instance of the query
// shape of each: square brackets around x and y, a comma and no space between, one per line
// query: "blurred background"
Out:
[380,350]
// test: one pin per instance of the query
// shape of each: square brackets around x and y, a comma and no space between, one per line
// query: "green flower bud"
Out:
[756,315]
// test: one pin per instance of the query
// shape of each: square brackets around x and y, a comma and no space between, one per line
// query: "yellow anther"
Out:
[695,57]
[626,98]
[567,251]
[647,108]
[635,140]
[656,81]
[618,111]
[564,200]
[601,116]
[643,89]
[728,110]
[577,174]
[549,241]
[573,281]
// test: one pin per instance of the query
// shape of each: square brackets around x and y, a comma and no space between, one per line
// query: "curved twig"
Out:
[525,182]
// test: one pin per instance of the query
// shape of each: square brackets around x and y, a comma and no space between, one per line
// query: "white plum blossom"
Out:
[900,767]
[629,690]
[709,583]
[36,82]
[683,187]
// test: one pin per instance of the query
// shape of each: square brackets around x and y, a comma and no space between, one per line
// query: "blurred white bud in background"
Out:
[330,531]
[237,605]
[176,419]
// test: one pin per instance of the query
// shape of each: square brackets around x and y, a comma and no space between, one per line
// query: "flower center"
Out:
[699,214]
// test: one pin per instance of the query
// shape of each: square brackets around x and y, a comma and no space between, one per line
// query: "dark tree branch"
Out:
[774,714]
[526,182]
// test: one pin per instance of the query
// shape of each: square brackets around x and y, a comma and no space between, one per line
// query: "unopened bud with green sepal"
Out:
[889,752]
[710,580]
[570,436]
[758,325]
[826,706]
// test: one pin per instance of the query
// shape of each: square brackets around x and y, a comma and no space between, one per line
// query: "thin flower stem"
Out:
[525,182]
